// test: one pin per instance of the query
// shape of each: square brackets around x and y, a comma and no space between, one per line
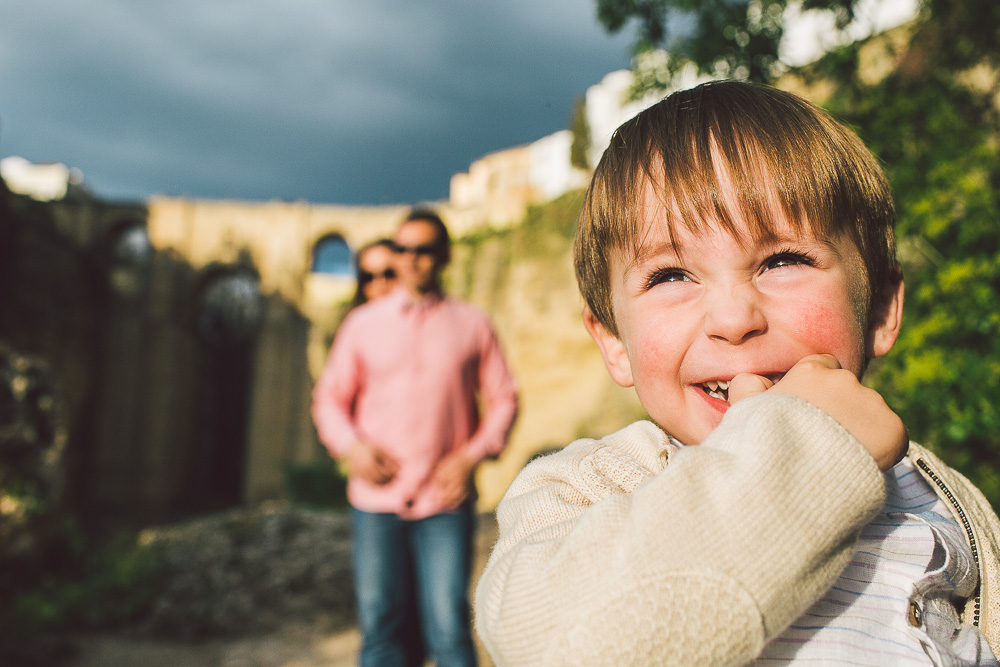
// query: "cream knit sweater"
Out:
[609,556]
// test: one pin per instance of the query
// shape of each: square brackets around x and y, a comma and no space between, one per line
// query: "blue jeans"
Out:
[395,560]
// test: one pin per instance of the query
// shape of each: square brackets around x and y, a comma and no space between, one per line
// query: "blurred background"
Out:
[183,188]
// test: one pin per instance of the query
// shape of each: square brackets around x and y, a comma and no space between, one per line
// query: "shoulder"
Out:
[933,467]
[373,310]
[946,479]
[359,324]
[464,309]
[616,463]
[953,486]
[468,317]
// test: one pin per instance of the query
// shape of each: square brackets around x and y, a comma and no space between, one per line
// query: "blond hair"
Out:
[767,146]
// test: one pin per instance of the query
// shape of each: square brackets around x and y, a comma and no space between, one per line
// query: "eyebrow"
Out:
[646,251]
[650,250]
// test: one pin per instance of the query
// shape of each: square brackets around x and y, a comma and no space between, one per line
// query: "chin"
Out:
[705,428]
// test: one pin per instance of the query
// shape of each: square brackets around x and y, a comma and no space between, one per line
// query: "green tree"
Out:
[934,123]
[723,38]
[579,149]
[938,139]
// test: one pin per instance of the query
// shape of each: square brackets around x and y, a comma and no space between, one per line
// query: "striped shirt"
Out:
[893,604]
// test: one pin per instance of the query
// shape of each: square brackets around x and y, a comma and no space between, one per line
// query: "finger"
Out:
[385,462]
[453,496]
[824,360]
[373,475]
[389,462]
[383,471]
[747,384]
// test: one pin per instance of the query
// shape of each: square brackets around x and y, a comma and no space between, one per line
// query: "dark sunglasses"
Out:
[425,249]
[388,274]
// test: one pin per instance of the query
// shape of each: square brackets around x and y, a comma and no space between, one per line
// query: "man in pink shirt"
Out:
[399,400]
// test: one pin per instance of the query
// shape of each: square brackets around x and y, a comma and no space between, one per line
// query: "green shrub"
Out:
[83,585]
[317,484]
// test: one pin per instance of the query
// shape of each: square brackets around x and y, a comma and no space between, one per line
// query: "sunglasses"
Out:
[366,277]
[425,249]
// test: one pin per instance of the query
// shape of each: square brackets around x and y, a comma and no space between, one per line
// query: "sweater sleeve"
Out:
[703,562]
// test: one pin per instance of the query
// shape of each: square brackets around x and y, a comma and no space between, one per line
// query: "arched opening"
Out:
[230,309]
[129,255]
[332,256]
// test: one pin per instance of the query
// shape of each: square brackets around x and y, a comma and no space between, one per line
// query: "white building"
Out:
[44,182]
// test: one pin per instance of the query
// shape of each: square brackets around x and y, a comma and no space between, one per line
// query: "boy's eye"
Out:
[669,275]
[788,258]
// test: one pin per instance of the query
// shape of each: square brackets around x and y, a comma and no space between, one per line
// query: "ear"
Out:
[612,349]
[885,320]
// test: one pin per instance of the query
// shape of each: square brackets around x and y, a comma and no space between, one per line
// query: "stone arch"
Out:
[128,254]
[332,255]
[229,305]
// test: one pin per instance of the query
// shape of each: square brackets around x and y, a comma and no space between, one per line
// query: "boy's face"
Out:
[691,317]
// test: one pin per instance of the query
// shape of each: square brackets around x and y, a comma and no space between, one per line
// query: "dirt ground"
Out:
[299,643]
[296,645]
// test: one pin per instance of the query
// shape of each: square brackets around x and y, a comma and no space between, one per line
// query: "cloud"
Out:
[348,102]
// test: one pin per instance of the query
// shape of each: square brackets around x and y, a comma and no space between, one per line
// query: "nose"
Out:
[734,314]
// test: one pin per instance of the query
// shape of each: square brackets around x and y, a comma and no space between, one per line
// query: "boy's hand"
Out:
[820,380]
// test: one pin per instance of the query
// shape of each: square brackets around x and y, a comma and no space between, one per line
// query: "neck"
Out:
[418,293]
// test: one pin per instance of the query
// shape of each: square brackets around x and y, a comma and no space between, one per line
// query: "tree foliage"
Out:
[723,38]
[579,148]
[933,121]
[938,140]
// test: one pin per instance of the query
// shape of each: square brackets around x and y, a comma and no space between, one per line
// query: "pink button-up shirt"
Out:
[407,377]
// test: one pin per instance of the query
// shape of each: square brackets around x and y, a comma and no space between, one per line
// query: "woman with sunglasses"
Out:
[374,270]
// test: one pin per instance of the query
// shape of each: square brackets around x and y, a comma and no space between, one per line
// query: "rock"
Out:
[249,571]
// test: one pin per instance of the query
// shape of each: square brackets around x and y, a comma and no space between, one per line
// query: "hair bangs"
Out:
[741,169]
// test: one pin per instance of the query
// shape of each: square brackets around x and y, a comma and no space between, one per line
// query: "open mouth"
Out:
[719,390]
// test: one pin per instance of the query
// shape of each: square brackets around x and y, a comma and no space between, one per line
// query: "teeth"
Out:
[719,390]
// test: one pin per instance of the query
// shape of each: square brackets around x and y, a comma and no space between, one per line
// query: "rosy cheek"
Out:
[825,328]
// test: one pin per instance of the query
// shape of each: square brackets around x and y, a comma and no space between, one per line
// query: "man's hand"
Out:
[372,464]
[453,477]
[820,380]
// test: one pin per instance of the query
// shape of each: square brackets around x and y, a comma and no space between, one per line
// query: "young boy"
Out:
[736,255]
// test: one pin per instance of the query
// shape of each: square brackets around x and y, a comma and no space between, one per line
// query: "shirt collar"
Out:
[407,303]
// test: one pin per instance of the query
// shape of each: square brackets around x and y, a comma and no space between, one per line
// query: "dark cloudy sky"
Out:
[361,102]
